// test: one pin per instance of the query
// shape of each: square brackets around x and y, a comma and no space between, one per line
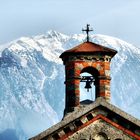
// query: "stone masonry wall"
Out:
[74,66]
[99,130]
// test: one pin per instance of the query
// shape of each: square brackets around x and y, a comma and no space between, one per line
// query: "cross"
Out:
[87,30]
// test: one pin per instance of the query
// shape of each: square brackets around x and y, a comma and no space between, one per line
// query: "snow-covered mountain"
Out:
[32,81]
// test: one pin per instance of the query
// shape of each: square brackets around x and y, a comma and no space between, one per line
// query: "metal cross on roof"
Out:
[87,30]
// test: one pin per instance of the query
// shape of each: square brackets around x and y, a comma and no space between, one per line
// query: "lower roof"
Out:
[84,109]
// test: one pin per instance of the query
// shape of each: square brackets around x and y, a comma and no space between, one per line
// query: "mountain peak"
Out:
[55,34]
[32,80]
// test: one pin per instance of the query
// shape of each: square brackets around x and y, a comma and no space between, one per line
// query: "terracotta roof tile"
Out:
[89,47]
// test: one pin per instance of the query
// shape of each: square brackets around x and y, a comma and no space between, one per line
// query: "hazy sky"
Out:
[119,18]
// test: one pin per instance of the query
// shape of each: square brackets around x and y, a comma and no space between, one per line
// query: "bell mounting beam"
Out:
[87,78]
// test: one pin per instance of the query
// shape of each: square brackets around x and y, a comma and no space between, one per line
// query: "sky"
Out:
[117,18]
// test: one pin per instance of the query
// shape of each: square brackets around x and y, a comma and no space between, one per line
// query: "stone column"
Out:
[72,88]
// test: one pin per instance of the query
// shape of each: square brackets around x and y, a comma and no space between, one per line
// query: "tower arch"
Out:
[94,74]
[87,88]
[91,70]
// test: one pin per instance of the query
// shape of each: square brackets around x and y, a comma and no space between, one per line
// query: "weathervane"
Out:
[87,30]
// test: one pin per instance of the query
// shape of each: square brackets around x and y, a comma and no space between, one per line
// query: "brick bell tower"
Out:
[93,59]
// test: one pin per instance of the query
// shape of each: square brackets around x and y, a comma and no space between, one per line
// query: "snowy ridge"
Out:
[32,81]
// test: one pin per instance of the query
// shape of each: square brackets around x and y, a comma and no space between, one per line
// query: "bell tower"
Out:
[93,59]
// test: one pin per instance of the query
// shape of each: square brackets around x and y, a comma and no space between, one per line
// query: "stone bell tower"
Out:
[93,59]
[86,120]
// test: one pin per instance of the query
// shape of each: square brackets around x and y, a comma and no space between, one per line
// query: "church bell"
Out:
[88,85]
[88,80]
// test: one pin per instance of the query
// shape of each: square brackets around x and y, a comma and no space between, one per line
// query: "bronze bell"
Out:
[88,85]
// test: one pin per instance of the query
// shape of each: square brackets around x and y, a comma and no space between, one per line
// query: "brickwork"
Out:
[95,122]
[95,131]
[99,119]
[96,65]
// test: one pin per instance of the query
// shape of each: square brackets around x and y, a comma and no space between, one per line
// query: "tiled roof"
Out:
[89,47]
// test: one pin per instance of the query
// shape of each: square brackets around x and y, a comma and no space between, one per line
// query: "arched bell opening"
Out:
[87,87]
[89,84]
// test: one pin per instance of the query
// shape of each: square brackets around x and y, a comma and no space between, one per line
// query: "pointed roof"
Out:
[76,117]
[89,47]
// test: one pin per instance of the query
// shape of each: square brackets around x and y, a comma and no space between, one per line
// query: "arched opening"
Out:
[85,93]
[88,84]
[101,136]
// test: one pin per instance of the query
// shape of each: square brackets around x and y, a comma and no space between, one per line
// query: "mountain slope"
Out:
[32,81]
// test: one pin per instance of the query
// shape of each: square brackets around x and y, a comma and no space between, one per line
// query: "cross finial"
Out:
[87,30]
